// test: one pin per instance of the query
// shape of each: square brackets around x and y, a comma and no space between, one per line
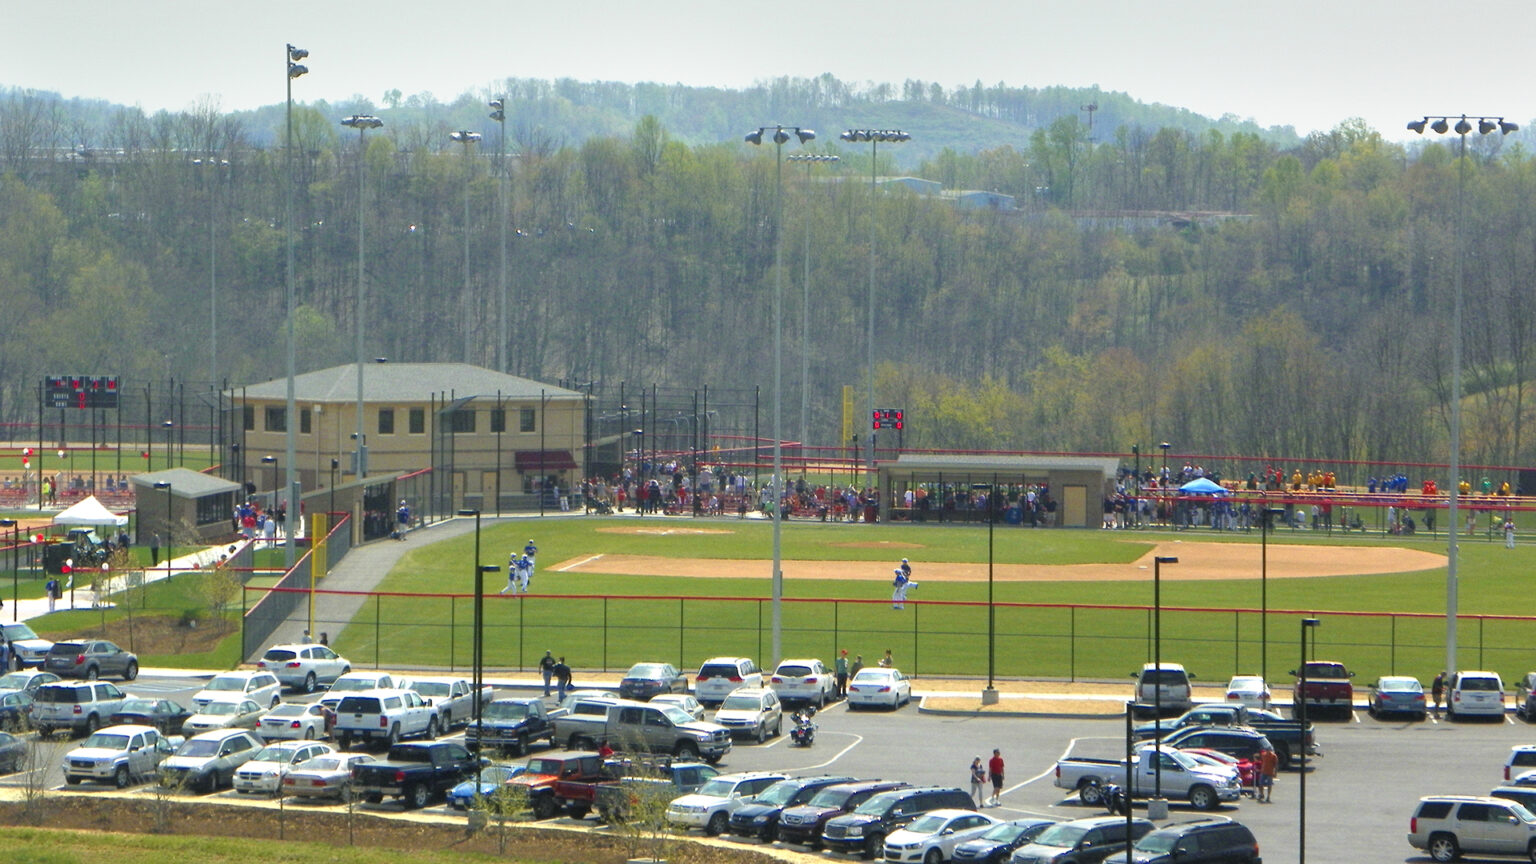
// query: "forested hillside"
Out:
[1236,291]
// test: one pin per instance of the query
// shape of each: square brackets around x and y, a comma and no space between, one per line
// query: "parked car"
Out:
[357,682]
[1449,826]
[879,687]
[1249,690]
[686,701]
[384,716]
[1523,795]
[13,753]
[1183,777]
[1211,840]
[1522,758]
[642,726]
[710,808]
[1327,685]
[804,681]
[1235,741]
[118,755]
[166,715]
[574,696]
[1397,694]
[91,659]
[760,818]
[1081,841]
[26,680]
[492,777]
[259,687]
[1163,689]
[223,714]
[28,650]
[266,770]
[802,825]
[16,711]
[998,843]
[752,712]
[718,676]
[644,680]
[510,724]
[304,667]
[1246,768]
[452,698]
[1525,697]
[209,760]
[83,707]
[294,720]
[864,830]
[1475,694]
[415,772]
[328,776]
[932,837]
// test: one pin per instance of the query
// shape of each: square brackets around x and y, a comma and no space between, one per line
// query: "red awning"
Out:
[543,460]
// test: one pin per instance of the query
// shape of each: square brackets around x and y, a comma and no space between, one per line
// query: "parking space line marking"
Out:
[1051,771]
[857,740]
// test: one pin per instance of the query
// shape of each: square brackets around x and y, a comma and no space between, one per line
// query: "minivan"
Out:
[720,675]
[1475,694]
[864,830]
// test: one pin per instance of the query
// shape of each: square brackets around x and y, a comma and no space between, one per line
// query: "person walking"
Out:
[154,549]
[995,770]
[887,661]
[1437,691]
[547,670]
[978,781]
[842,674]
[5,654]
[853,669]
[902,582]
[1509,532]
[52,587]
[512,574]
[1264,774]
[525,572]
[562,679]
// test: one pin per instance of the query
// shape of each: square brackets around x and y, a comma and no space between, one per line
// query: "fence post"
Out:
[915,607]
[376,644]
[680,628]
[1072,643]
[453,631]
[1392,646]
[1237,641]
[605,634]
[1480,621]
[522,609]
[245,650]
[836,638]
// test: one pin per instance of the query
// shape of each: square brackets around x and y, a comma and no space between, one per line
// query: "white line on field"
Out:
[587,560]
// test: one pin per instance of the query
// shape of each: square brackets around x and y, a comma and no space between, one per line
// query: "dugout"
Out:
[954,486]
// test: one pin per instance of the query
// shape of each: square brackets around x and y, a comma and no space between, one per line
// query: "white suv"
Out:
[1165,686]
[934,835]
[1447,826]
[1479,694]
[807,681]
[259,687]
[357,682]
[720,675]
[710,808]
[266,770]
[304,667]
[117,755]
[753,712]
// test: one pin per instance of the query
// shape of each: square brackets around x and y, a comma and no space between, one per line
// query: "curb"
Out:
[922,708]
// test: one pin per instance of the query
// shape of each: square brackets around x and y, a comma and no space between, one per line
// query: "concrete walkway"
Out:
[78,594]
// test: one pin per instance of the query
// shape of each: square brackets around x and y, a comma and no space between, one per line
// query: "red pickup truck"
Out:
[546,771]
[1326,686]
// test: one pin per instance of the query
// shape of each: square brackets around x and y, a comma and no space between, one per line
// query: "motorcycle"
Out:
[1115,800]
[803,734]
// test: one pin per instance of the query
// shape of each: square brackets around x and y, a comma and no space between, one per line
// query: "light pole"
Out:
[221,168]
[809,160]
[989,695]
[466,138]
[1301,822]
[170,451]
[272,462]
[170,542]
[499,114]
[1264,586]
[362,123]
[780,137]
[335,463]
[291,57]
[1441,125]
[15,570]
[478,659]
[874,137]
[1157,660]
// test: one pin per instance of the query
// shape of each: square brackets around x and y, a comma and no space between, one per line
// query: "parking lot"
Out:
[1359,794]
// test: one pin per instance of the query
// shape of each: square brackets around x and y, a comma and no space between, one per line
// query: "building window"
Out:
[277,418]
[303,421]
[418,421]
[498,419]
[525,420]
[248,417]
[386,421]
[463,421]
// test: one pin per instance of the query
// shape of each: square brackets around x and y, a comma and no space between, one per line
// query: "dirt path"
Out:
[1197,561]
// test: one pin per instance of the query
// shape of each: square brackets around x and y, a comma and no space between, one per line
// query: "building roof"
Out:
[185,483]
[405,382]
[1001,463]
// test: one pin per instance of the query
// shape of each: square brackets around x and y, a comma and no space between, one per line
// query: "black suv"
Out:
[865,828]
[802,824]
[1205,841]
[1237,742]
[761,817]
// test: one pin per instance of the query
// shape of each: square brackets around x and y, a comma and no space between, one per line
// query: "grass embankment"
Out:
[153,621]
[43,846]
[1076,643]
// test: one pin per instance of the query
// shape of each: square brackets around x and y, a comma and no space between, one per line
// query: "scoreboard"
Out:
[888,418]
[80,391]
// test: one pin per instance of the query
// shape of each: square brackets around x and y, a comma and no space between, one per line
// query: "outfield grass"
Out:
[595,633]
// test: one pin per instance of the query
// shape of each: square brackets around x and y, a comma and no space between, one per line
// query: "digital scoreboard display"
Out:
[888,418]
[80,391]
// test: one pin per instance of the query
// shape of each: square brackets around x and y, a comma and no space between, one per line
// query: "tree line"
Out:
[1228,291]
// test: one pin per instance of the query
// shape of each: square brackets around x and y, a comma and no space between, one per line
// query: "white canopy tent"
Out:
[89,512]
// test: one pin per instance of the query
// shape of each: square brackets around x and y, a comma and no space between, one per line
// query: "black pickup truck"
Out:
[416,772]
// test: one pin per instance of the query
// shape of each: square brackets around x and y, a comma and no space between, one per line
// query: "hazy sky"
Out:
[1304,63]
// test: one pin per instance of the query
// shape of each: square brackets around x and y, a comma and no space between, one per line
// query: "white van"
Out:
[1166,687]
[1476,694]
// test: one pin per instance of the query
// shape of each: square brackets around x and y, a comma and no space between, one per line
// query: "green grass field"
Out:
[821,616]
[43,846]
